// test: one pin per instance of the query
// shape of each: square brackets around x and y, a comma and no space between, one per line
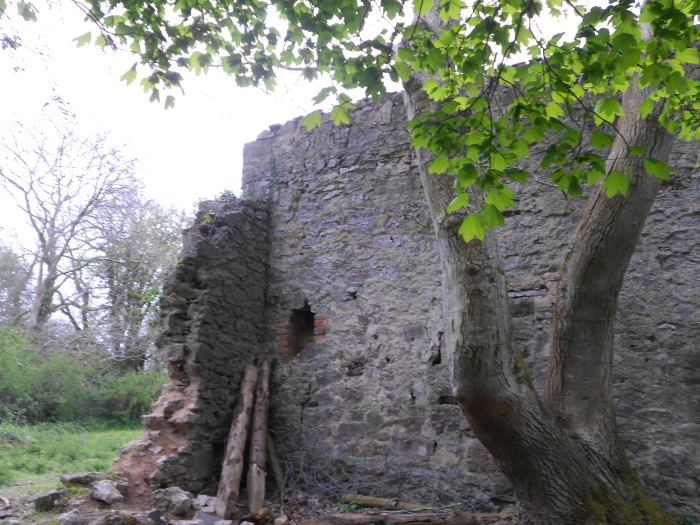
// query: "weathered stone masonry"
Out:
[339,279]
[212,312]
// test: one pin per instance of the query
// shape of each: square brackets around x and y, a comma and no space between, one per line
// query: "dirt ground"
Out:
[17,507]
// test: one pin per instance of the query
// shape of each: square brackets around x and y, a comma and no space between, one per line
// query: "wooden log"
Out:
[232,470]
[275,463]
[385,518]
[380,503]
[258,443]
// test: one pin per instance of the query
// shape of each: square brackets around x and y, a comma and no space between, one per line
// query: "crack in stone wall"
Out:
[367,405]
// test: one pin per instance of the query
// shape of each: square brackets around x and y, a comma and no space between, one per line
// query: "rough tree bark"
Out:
[561,453]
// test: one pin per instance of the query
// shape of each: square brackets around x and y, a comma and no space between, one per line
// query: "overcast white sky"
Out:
[185,154]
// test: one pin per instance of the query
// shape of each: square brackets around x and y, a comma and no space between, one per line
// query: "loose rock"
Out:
[74,517]
[173,499]
[48,502]
[106,491]
[81,478]
[205,501]
[121,518]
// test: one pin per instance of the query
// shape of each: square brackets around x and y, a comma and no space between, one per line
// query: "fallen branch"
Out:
[380,503]
[5,503]
[385,518]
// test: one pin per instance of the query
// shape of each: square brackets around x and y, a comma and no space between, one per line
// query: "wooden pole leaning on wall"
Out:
[232,470]
[258,442]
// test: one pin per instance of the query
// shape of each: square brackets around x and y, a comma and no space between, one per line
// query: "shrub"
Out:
[127,397]
[40,386]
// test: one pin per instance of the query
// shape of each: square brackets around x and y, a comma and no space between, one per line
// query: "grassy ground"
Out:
[33,457]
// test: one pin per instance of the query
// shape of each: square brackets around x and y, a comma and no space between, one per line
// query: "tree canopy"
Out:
[562,83]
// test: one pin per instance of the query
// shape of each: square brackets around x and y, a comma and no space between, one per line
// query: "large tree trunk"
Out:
[561,454]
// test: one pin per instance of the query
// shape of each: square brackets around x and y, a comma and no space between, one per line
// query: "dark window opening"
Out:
[301,324]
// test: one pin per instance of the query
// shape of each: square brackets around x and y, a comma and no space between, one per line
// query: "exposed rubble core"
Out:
[329,267]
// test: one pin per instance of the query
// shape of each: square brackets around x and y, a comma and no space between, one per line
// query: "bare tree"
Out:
[60,181]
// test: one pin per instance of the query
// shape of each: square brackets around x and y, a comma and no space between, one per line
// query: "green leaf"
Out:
[436,59]
[676,83]
[129,76]
[312,120]
[403,71]
[688,56]
[406,54]
[606,109]
[392,8]
[440,165]
[520,148]
[624,42]
[595,173]
[501,198]
[601,140]
[657,168]
[498,163]
[533,135]
[339,115]
[517,174]
[553,110]
[646,107]
[472,228]
[83,39]
[459,202]
[467,175]
[637,150]
[169,102]
[491,217]
[199,62]
[450,10]
[421,7]
[101,41]
[616,182]
[27,11]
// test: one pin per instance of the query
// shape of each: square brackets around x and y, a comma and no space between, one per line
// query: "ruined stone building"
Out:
[329,266]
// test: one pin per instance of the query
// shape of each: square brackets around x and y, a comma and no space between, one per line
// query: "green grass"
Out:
[41,453]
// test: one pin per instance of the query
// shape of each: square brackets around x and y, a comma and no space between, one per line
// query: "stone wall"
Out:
[212,313]
[370,405]
[352,307]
